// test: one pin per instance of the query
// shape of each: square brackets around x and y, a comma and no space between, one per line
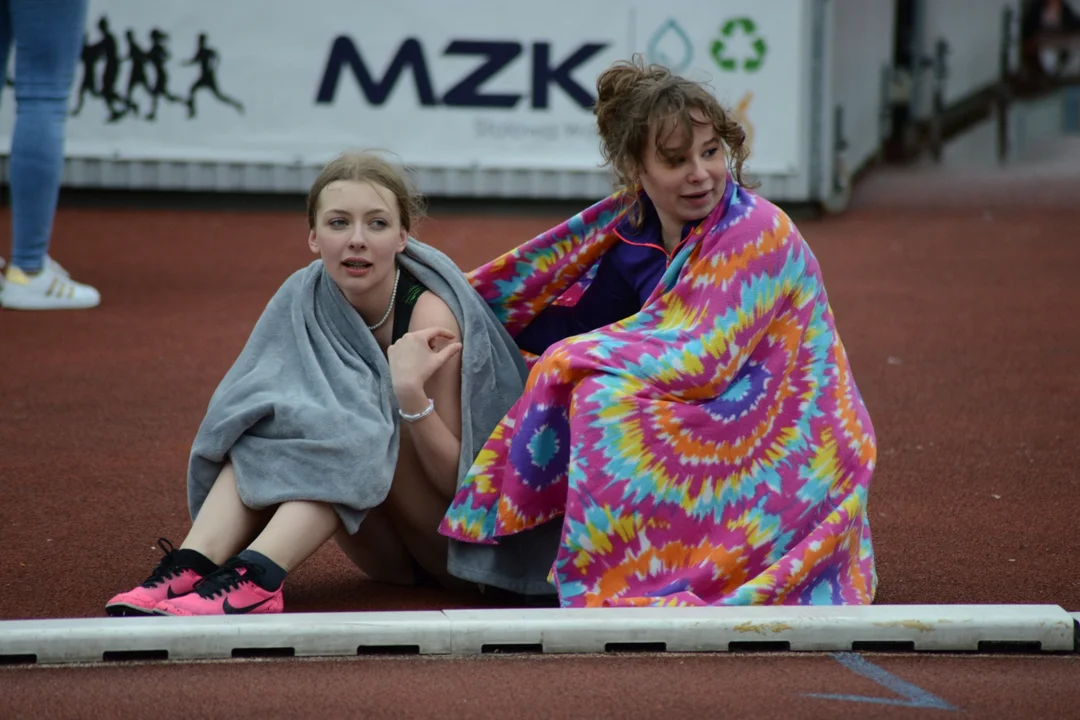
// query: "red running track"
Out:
[958,300]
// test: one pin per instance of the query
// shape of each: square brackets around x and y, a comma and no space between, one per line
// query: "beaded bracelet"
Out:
[418,416]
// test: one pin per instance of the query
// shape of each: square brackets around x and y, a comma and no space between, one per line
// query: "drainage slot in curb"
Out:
[280,652]
[761,646]
[638,647]
[27,659]
[1010,646]
[883,646]
[388,650]
[510,648]
[134,655]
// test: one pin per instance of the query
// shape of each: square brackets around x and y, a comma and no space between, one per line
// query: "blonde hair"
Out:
[367,166]
[634,99]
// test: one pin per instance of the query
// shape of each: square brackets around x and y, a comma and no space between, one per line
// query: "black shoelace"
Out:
[166,569]
[226,578]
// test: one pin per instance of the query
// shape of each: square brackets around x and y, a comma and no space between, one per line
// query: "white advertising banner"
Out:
[477,84]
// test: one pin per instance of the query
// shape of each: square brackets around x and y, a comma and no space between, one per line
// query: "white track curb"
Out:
[955,628]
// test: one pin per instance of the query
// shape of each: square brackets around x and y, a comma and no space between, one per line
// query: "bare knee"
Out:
[378,551]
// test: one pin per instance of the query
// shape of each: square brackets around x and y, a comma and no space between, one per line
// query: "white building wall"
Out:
[863,40]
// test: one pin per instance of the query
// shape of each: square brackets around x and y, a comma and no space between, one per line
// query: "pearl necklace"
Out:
[390,307]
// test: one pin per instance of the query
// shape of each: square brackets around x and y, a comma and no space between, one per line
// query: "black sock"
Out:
[272,574]
[186,557]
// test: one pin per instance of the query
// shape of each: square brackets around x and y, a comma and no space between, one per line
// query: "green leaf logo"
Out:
[746,27]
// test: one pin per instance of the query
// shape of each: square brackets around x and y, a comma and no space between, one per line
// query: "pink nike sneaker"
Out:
[173,577]
[231,590]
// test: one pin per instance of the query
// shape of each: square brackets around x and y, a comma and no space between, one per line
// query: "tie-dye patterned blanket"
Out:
[711,449]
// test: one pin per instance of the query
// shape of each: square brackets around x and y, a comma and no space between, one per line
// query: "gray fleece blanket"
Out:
[307,411]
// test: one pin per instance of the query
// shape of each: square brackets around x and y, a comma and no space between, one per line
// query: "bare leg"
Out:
[378,550]
[382,552]
[225,525]
[297,530]
[401,534]
[414,508]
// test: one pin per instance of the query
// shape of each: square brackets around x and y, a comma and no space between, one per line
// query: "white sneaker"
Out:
[51,289]
[48,261]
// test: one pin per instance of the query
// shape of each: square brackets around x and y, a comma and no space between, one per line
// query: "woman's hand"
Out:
[414,359]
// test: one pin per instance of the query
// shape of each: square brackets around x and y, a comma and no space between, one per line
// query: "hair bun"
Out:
[623,83]
[637,103]
[617,81]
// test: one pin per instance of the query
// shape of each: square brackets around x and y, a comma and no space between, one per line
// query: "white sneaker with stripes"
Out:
[51,289]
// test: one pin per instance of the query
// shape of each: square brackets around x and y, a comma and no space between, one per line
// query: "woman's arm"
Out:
[438,436]
[609,298]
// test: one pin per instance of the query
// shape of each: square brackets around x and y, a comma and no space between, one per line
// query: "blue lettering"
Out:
[344,53]
[543,74]
[497,55]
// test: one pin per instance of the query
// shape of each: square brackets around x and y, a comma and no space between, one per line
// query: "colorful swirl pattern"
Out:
[711,449]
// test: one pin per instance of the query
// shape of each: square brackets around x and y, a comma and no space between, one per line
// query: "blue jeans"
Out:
[48,42]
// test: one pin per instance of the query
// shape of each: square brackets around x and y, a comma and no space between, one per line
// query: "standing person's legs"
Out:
[48,40]
[5,53]
[47,37]
[5,40]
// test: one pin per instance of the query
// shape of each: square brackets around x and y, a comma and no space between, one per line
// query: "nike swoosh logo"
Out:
[230,610]
[171,594]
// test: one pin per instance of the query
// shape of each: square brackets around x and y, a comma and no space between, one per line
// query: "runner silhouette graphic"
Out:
[105,51]
[159,55]
[89,85]
[138,58]
[207,59]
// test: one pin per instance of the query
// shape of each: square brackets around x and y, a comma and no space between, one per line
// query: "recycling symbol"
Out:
[728,31]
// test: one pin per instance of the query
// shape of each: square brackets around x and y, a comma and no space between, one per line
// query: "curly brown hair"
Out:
[367,166]
[635,99]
